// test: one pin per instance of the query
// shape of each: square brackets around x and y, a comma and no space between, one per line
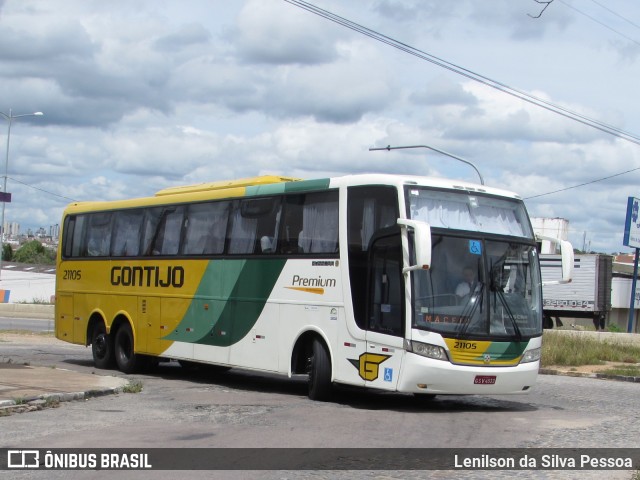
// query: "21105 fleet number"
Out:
[464,346]
[72,275]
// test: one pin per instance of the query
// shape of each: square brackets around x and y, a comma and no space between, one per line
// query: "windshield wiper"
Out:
[467,314]
[513,320]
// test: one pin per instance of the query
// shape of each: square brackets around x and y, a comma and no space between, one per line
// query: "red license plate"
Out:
[484,380]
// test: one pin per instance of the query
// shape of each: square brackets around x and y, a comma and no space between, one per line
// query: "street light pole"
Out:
[435,150]
[9,118]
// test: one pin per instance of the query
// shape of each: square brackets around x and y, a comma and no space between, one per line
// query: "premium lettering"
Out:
[150,276]
[299,281]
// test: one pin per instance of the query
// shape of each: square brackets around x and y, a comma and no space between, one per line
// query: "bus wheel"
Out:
[319,372]
[127,360]
[102,348]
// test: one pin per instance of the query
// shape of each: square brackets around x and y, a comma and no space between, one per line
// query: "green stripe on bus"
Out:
[307,185]
[288,187]
[505,350]
[235,293]
[269,189]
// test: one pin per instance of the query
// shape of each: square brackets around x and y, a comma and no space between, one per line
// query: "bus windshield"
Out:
[469,211]
[479,288]
[484,279]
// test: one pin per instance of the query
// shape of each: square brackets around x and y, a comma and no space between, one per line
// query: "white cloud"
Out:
[141,95]
[270,32]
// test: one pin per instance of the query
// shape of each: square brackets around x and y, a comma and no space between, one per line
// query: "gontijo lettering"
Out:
[149,276]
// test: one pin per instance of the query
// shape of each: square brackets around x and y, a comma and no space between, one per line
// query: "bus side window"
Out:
[242,235]
[206,228]
[319,232]
[292,225]
[152,218]
[311,223]
[126,233]
[99,235]
[73,236]
[167,238]
[254,228]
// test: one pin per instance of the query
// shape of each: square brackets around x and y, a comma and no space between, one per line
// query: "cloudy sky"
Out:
[139,95]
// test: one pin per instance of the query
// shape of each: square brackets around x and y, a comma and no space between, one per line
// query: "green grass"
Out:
[575,350]
[36,301]
[624,370]
[134,386]
[51,402]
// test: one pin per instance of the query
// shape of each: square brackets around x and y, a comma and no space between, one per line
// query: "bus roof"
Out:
[273,184]
[418,180]
[225,184]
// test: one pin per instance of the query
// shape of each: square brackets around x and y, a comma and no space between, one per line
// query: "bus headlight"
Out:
[426,350]
[531,356]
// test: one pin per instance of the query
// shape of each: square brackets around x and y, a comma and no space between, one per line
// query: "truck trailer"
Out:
[588,295]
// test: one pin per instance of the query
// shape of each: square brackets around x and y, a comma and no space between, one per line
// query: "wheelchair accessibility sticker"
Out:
[475,247]
[388,374]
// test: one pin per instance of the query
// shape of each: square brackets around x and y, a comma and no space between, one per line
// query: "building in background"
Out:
[619,273]
[11,229]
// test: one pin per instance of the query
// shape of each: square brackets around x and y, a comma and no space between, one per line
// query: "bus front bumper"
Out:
[424,375]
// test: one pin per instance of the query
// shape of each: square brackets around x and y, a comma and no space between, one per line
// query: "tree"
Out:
[34,252]
[7,252]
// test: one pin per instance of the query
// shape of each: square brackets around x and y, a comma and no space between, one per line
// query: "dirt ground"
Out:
[586,369]
[35,338]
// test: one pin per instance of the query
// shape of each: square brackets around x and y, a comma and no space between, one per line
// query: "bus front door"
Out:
[385,330]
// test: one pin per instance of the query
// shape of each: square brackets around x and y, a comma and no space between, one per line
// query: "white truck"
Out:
[588,295]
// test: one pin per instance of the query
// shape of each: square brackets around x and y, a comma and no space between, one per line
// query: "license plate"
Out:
[484,380]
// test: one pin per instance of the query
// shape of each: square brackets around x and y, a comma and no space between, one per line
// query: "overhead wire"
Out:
[495,84]
[529,98]
[616,14]
[41,189]
[590,17]
[583,184]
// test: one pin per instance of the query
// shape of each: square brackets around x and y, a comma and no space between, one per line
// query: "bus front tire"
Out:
[102,348]
[126,358]
[319,372]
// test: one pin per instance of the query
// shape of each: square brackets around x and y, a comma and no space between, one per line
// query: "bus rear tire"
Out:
[102,348]
[319,372]
[126,358]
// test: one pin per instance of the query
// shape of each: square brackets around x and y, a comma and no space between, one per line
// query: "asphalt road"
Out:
[27,324]
[182,409]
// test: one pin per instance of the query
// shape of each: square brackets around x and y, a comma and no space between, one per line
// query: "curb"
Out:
[620,378]
[602,376]
[52,400]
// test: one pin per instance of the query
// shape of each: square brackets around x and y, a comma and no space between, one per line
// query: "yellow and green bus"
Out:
[355,280]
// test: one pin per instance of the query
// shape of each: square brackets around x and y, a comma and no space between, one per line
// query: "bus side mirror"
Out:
[421,243]
[566,254]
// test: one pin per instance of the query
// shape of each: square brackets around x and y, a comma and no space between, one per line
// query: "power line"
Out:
[610,129]
[42,190]
[583,184]
[616,14]
[547,105]
[599,22]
